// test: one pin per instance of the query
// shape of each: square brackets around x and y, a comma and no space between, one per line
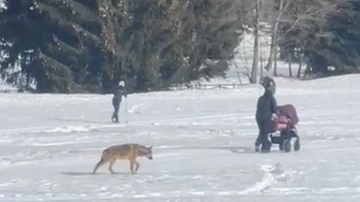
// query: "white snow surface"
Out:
[203,146]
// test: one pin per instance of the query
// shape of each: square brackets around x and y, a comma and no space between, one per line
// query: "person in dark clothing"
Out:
[118,92]
[266,107]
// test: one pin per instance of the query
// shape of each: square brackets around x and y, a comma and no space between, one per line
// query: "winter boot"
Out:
[257,147]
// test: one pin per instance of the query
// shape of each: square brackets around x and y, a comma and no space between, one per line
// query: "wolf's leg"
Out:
[98,165]
[132,162]
[112,162]
[137,166]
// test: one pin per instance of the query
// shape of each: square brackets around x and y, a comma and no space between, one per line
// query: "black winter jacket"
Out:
[118,92]
[266,106]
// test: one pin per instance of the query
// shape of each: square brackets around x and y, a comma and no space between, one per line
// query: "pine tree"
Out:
[57,37]
[80,45]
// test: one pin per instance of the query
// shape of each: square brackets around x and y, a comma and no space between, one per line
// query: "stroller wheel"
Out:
[281,146]
[286,145]
[297,144]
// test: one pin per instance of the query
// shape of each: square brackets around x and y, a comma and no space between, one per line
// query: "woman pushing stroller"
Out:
[265,111]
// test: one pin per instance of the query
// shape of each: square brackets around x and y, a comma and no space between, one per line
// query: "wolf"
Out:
[129,151]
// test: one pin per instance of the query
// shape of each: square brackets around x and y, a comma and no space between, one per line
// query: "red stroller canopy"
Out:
[289,111]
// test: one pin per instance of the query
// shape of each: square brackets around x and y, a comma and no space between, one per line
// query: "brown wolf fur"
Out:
[124,152]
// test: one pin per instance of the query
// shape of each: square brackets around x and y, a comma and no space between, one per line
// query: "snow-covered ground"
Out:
[203,146]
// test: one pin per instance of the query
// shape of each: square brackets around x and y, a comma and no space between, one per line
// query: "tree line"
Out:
[320,33]
[74,46]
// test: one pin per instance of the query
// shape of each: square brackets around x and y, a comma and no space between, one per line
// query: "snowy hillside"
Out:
[203,146]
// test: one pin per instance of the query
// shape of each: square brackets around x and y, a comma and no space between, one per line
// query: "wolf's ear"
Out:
[150,147]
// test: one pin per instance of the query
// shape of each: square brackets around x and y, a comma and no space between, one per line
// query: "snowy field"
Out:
[203,146]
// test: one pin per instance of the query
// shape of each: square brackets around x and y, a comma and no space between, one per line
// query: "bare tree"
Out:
[242,64]
[284,4]
[298,15]
[255,63]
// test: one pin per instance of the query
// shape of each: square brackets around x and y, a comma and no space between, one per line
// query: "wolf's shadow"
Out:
[91,174]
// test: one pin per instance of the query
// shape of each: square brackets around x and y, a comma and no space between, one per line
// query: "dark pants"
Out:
[263,139]
[116,105]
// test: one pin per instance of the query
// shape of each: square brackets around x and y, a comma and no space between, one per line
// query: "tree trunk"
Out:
[238,76]
[273,45]
[275,63]
[261,60]
[290,61]
[271,56]
[27,85]
[300,66]
[255,63]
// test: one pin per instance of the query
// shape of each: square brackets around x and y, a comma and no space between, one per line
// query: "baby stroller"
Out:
[284,128]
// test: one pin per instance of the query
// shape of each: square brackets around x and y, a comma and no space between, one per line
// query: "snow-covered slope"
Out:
[203,146]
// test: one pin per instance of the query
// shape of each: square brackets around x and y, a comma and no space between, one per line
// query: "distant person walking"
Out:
[265,110]
[118,92]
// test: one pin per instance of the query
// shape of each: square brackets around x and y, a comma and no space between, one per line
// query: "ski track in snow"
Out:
[203,147]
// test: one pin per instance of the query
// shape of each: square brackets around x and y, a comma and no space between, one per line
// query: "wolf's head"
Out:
[146,151]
